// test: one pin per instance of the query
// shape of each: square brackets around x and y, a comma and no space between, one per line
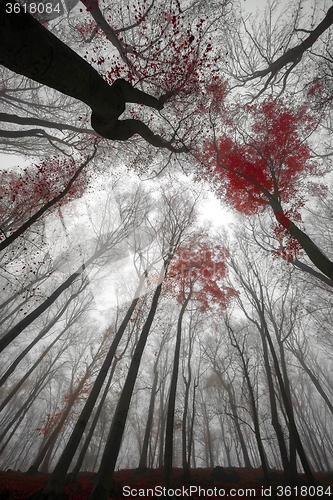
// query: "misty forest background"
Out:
[195,287]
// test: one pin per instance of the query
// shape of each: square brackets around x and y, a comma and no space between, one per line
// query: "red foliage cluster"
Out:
[24,192]
[201,270]
[49,423]
[269,160]
[162,48]
[316,86]
[88,28]
[320,92]
[289,247]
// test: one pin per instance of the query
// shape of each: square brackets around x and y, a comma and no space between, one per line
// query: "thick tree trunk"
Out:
[317,257]
[29,49]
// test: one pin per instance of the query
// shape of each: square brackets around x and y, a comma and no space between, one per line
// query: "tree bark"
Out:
[34,218]
[53,488]
[29,49]
[144,451]
[169,431]
[104,477]
[56,432]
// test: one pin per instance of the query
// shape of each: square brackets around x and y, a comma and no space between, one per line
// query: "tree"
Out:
[293,55]
[40,193]
[255,290]
[179,213]
[194,274]
[245,361]
[266,165]
[23,36]
[105,243]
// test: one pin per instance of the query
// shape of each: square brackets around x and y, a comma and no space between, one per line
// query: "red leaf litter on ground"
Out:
[241,483]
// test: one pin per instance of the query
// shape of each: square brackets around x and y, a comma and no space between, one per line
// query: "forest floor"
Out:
[235,483]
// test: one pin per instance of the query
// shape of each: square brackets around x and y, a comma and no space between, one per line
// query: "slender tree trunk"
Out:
[39,385]
[56,432]
[33,315]
[52,490]
[144,451]
[21,356]
[262,453]
[162,427]
[105,474]
[298,443]
[314,380]
[273,407]
[228,387]
[292,447]
[73,475]
[19,231]
[185,435]
[190,444]
[168,450]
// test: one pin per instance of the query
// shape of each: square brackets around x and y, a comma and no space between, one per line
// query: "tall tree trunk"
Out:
[33,315]
[273,407]
[292,446]
[105,474]
[168,450]
[73,475]
[289,410]
[255,417]
[246,457]
[299,356]
[53,488]
[162,427]
[19,231]
[144,451]
[38,387]
[191,429]
[186,443]
[30,346]
[56,432]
